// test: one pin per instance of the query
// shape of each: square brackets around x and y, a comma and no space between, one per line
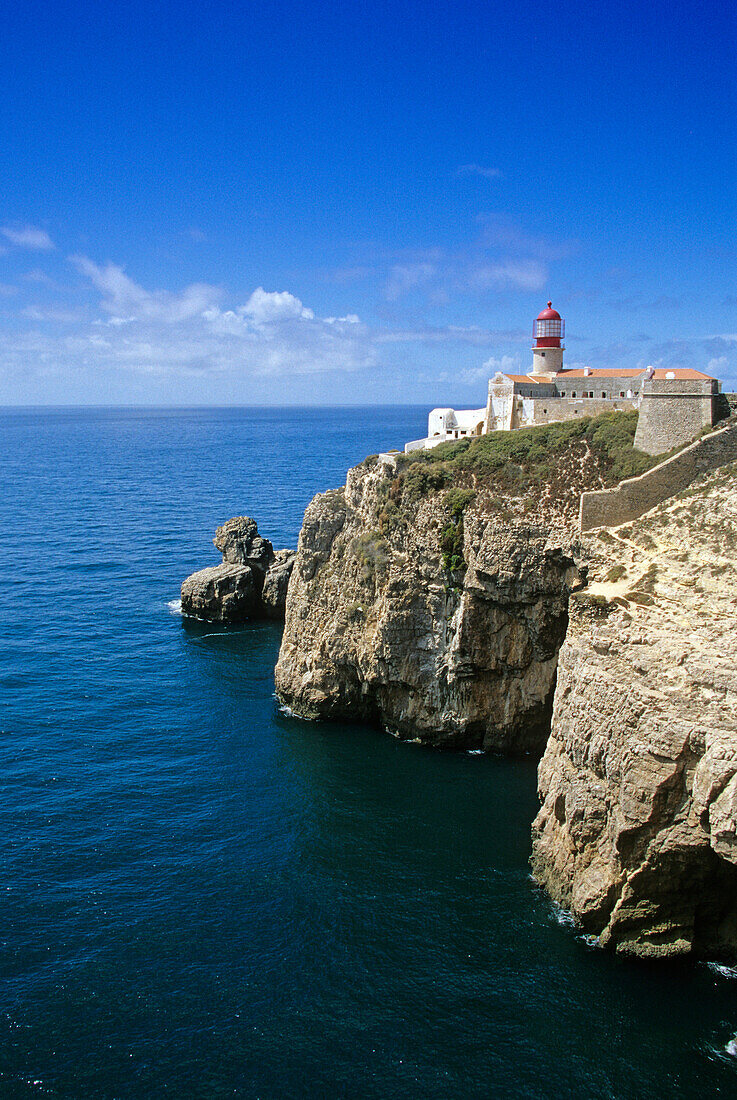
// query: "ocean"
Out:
[203,897]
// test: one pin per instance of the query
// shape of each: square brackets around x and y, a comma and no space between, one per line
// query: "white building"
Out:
[683,399]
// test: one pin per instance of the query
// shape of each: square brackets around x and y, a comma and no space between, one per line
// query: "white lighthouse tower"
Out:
[548,330]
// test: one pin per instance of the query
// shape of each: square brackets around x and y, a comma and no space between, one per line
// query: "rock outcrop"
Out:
[438,615]
[250,583]
[637,834]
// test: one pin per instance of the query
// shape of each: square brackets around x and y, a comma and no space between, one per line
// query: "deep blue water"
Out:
[204,898]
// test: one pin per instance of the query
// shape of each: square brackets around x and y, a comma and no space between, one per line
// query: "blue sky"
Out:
[288,203]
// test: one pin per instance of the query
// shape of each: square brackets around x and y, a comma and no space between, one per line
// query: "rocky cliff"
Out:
[434,597]
[436,612]
[251,582]
[637,834]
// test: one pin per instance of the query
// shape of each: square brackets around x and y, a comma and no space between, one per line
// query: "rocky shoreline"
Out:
[466,618]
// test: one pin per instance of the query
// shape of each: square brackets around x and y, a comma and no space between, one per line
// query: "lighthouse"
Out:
[548,331]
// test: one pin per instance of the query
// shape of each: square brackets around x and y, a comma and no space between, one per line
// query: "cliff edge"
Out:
[430,594]
[637,833]
[453,600]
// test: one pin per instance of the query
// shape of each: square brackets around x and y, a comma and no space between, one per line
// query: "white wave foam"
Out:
[731,1047]
[562,916]
[474,752]
[723,971]
[289,713]
[175,607]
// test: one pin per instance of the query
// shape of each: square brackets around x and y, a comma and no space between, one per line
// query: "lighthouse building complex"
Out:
[674,405]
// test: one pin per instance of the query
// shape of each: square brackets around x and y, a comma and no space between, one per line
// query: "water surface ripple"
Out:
[205,898]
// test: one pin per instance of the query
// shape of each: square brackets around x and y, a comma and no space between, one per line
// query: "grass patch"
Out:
[372,552]
[455,503]
[529,450]
[528,458]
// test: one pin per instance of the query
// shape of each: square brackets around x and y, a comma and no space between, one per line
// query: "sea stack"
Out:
[250,583]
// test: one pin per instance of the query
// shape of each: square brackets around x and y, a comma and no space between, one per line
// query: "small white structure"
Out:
[444,425]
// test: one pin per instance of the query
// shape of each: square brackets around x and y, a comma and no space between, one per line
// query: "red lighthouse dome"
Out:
[549,328]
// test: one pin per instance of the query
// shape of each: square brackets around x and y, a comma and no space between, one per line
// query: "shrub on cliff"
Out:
[372,552]
[514,459]
[455,502]
[419,481]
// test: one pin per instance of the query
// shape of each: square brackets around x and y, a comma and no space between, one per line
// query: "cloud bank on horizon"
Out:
[106,323]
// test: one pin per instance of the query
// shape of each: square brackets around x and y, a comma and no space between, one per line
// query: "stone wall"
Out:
[500,404]
[554,409]
[673,412]
[637,495]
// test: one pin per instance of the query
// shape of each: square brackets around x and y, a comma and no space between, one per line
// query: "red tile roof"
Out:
[611,372]
[608,372]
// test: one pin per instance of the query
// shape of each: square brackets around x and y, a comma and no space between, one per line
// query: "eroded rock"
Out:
[251,582]
[223,593]
[379,628]
[637,830]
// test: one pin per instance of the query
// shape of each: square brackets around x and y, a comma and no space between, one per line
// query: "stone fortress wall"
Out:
[552,410]
[524,405]
[637,495]
[672,412]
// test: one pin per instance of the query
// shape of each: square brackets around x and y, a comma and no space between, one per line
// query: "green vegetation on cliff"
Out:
[514,458]
[455,502]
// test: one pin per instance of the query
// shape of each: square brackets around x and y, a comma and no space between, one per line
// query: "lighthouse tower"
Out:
[548,331]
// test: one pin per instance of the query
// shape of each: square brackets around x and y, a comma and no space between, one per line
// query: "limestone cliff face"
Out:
[385,623]
[637,834]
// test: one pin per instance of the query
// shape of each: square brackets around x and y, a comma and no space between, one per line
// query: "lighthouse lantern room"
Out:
[548,330]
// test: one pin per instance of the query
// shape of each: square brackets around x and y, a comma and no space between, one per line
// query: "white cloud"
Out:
[266,308]
[51,313]
[28,237]
[405,277]
[522,274]
[718,366]
[499,233]
[126,300]
[479,170]
[507,364]
[38,276]
[448,334]
[165,333]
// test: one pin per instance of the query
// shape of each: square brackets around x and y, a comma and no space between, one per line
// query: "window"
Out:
[621,393]
[574,394]
[554,326]
[603,394]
